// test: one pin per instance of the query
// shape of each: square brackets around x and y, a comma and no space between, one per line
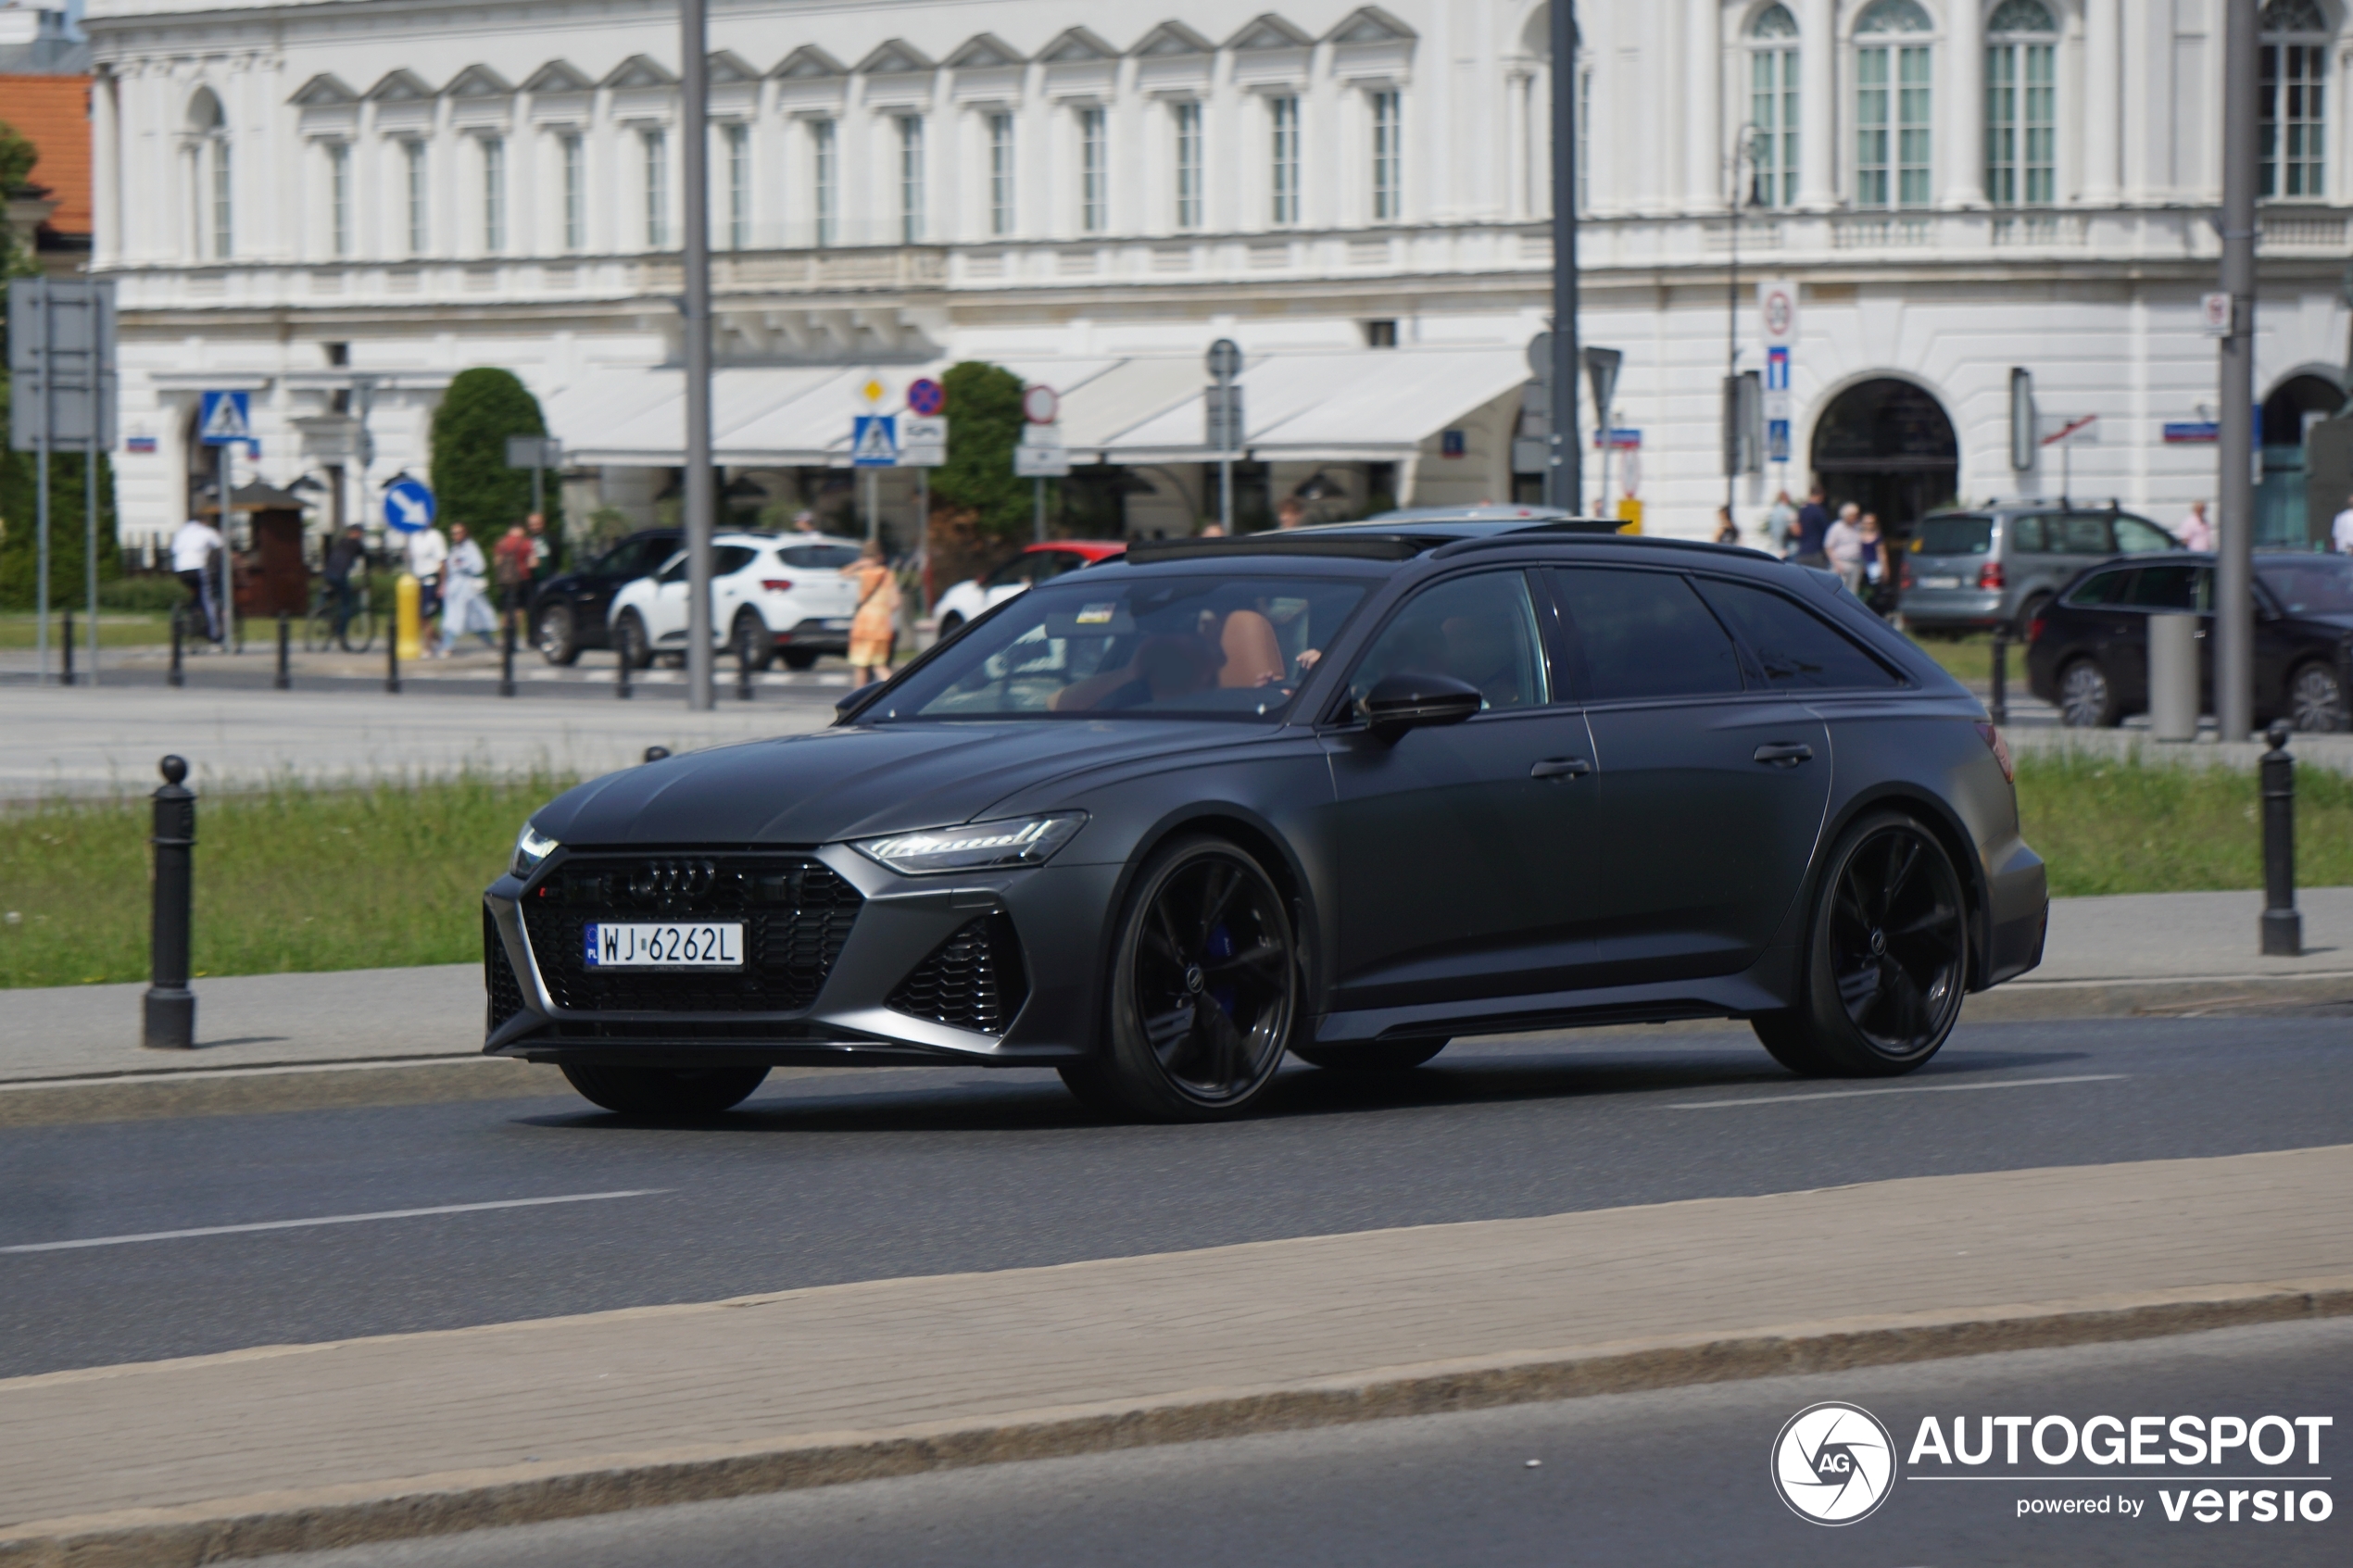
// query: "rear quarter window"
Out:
[2105,588]
[1790,646]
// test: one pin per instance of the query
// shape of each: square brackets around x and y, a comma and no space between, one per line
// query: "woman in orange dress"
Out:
[875,626]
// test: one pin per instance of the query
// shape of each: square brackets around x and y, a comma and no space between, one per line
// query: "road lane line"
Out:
[1905,1089]
[331,1220]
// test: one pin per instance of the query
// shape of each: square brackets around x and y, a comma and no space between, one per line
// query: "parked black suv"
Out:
[568,612]
[2088,650]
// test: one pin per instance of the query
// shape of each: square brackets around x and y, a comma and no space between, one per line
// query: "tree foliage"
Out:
[984,425]
[471,483]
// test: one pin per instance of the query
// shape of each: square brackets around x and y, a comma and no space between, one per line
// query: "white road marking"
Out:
[1905,1089]
[331,1220]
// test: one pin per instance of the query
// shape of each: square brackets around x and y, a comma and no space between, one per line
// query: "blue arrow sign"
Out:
[874,441]
[226,419]
[409,507]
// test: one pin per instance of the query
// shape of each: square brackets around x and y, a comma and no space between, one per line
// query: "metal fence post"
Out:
[1998,708]
[2282,927]
[178,633]
[66,676]
[284,682]
[170,1007]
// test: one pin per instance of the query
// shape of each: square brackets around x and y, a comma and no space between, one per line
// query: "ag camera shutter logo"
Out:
[1833,1464]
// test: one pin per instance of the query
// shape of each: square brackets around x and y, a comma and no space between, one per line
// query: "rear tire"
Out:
[1886,958]
[665,1093]
[2315,700]
[2088,698]
[1376,1056]
[751,641]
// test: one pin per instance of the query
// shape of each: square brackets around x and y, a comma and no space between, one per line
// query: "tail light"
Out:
[2034,630]
[1908,574]
[1989,574]
[776,585]
[1993,739]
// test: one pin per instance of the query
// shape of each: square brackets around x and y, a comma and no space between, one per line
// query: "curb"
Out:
[348,1516]
[2026,1000]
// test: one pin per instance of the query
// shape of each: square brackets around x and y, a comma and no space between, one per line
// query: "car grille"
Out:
[973,981]
[498,976]
[796,914]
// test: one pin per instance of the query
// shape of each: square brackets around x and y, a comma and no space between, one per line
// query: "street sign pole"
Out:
[229,640]
[2234,572]
[1225,432]
[694,78]
[1564,477]
[40,524]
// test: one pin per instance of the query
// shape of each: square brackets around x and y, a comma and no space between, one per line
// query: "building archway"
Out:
[2298,403]
[1887,445]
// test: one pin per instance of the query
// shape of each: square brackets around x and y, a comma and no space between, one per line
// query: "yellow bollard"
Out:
[1630,515]
[409,633]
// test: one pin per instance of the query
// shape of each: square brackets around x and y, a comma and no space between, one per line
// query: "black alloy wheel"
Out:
[557,636]
[1204,987]
[1373,1056]
[2315,700]
[630,643]
[1887,965]
[751,641]
[2086,697]
[665,1093]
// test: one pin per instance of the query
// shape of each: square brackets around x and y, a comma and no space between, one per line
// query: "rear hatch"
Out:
[1948,552]
[820,591]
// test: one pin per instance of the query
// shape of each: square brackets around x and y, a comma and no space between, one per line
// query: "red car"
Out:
[1035,564]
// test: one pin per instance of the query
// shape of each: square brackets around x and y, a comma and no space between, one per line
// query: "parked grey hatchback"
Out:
[1999,565]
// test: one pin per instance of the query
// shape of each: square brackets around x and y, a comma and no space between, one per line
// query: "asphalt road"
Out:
[900,1172]
[1678,1477]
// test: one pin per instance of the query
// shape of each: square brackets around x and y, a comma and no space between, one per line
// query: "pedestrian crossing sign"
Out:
[225,418]
[874,441]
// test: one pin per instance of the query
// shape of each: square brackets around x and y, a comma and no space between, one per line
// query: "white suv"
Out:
[770,595]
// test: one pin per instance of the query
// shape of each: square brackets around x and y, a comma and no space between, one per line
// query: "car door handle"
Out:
[1785,753]
[1561,767]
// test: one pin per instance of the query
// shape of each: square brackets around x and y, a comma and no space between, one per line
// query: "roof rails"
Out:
[1362,546]
[1564,534]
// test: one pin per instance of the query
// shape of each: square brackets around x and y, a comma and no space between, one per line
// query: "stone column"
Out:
[1817,88]
[1963,154]
[2103,59]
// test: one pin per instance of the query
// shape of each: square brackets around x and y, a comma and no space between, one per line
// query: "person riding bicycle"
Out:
[342,556]
[195,551]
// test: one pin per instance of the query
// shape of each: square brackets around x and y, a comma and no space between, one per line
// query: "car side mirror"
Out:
[1411,700]
[852,699]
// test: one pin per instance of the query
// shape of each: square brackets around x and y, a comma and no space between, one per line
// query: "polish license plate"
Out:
[1940,581]
[664,945]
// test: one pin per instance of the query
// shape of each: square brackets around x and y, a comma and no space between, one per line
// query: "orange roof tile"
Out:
[53,113]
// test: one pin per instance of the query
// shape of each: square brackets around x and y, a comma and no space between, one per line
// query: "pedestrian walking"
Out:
[511,565]
[1726,530]
[1844,547]
[428,555]
[2195,533]
[1779,519]
[543,549]
[2341,531]
[874,627]
[347,552]
[195,552]
[1806,539]
[464,605]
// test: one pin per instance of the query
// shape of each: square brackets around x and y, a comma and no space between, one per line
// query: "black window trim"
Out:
[1339,713]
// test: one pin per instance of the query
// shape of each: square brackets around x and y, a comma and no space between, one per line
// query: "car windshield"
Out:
[1193,647]
[1952,533]
[2318,585]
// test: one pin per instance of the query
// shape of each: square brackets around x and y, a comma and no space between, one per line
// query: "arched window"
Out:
[1772,102]
[2021,104]
[208,178]
[1892,105]
[2294,61]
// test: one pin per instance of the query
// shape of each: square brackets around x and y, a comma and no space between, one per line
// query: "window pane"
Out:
[821,187]
[1094,171]
[2165,587]
[1645,634]
[1284,116]
[2138,535]
[2108,588]
[1188,166]
[1953,533]
[729,558]
[1481,630]
[1001,174]
[2027,535]
[2085,533]
[1795,646]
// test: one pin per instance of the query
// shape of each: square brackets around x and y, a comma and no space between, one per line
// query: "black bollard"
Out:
[656,753]
[392,653]
[507,656]
[176,678]
[743,669]
[170,1006]
[2282,927]
[1998,707]
[68,676]
[284,682]
[620,664]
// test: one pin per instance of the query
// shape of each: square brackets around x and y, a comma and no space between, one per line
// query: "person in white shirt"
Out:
[1779,522]
[193,549]
[2193,530]
[464,606]
[1843,545]
[2341,531]
[428,553]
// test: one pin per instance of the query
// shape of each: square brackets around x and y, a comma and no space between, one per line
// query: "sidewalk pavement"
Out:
[291,1446]
[106,740]
[2134,743]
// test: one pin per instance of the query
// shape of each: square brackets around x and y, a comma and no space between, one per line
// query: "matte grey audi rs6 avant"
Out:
[1347,793]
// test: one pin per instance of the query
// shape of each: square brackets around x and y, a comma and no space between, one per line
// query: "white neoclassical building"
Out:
[295,196]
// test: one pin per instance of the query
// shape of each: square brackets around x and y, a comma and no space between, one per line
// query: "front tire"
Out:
[1204,989]
[2088,698]
[665,1093]
[2315,700]
[1375,1056]
[630,643]
[558,636]
[1886,958]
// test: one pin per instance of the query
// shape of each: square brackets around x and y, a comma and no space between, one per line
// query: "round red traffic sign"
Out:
[926,397]
[1038,404]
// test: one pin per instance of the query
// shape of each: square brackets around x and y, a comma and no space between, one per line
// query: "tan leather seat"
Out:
[1253,655]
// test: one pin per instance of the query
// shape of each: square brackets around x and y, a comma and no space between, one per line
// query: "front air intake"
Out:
[972,981]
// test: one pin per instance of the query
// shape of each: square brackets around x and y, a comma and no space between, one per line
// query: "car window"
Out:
[675,571]
[819,558]
[729,559]
[1234,648]
[1053,563]
[1952,533]
[631,558]
[2139,536]
[1013,573]
[2170,586]
[1644,635]
[1796,648]
[2083,534]
[2106,588]
[2317,585]
[1479,629]
[2027,535]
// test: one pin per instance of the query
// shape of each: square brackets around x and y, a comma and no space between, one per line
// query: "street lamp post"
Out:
[1745,150]
[694,110]
[1564,474]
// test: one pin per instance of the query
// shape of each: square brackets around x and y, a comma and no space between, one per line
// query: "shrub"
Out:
[471,483]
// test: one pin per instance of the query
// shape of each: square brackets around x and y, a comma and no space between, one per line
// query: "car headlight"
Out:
[1017,841]
[532,846]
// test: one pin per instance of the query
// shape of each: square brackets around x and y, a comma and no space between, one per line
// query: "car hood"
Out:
[850,783]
